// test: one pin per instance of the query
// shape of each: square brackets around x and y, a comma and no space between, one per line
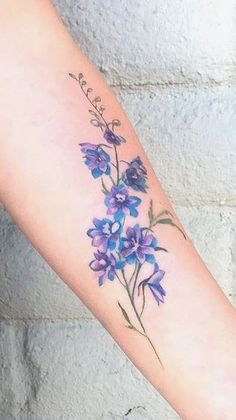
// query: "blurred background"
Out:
[172,64]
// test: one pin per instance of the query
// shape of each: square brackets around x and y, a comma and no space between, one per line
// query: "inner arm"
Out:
[74,177]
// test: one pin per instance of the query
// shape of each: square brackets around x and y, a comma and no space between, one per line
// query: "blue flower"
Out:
[112,138]
[135,175]
[154,284]
[120,203]
[138,246]
[105,234]
[105,265]
[96,159]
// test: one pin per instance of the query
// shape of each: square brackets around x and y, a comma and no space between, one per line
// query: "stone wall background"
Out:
[173,67]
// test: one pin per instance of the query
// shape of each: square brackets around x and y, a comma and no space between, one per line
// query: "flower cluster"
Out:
[117,244]
[122,246]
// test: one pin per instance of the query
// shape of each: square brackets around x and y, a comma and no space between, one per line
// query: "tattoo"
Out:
[123,247]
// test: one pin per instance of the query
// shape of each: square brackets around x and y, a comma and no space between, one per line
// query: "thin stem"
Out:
[112,180]
[143,305]
[120,280]
[94,106]
[139,319]
[140,332]
[117,165]
[154,351]
[149,228]
[136,278]
[105,145]
[131,278]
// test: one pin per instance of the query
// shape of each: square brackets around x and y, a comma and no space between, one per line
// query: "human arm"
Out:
[53,197]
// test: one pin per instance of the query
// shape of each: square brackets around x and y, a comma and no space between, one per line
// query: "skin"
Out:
[51,195]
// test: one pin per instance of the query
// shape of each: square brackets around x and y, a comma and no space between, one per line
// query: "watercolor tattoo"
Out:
[123,247]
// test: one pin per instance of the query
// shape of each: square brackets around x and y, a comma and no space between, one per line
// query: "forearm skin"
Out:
[185,345]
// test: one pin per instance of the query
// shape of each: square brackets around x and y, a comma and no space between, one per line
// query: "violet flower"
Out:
[105,265]
[138,246]
[105,234]
[120,203]
[153,282]
[96,159]
[113,138]
[135,175]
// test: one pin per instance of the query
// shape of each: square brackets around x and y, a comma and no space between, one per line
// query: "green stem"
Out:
[139,319]
[91,102]
[143,305]
[120,280]
[136,278]
[112,180]
[117,165]
[131,278]
[157,355]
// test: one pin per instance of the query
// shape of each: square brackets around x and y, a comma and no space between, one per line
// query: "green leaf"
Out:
[131,327]
[73,76]
[164,213]
[150,213]
[165,221]
[125,315]
[171,223]
[159,248]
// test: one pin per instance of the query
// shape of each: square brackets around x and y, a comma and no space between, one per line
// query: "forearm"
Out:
[184,346]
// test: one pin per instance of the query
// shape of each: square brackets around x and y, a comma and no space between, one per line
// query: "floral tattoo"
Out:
[123,248]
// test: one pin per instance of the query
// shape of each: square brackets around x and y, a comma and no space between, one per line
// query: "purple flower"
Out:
[105,234]
[135,175]
[96,159]
[153,282]
[119,202]
[105,265]
[138,246]
[112,138]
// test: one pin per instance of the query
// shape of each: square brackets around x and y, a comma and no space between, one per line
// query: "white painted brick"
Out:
[78,372]
[164,41]
[189,136]
[14,384]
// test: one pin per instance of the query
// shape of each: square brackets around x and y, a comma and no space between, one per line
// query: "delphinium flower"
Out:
[120,203]
[105,265]
[113,138]
[154,284]
[138,246]
[135,176]
[96,159]
[105,234]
